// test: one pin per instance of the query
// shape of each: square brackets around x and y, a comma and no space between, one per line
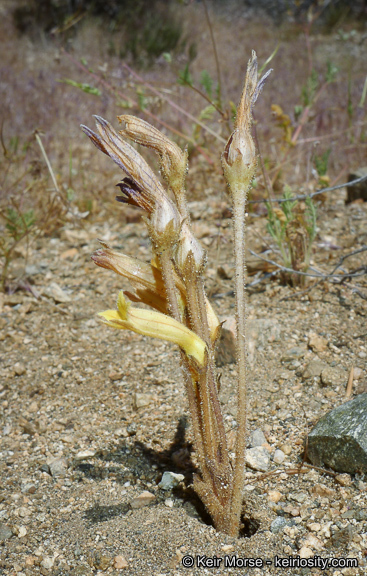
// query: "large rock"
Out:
[259,332]
[358,191]
[339,439]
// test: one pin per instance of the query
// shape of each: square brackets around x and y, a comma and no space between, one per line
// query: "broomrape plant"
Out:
[173,286]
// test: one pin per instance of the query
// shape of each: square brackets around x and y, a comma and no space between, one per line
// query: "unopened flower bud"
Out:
[190,256]
[239,156]
[173,160]
[164,225]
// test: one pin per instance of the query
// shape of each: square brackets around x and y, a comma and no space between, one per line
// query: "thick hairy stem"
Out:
[168,276]
[194,408]
[209,433]
[179,193]
[169,283]
[239,250]
[212,386]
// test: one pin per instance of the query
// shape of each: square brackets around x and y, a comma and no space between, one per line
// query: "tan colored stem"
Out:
[208,425]
[239,250]
[169,283]
[180,196]
[168,276]
[212,386]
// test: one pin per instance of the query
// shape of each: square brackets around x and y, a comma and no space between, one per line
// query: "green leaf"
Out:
[268,60]
[142,101]
[309,90]
[290,204]
[298,109]
[207,82]
[184,77]
[310,217]
[124,104]
[233,108]
[331,72]
[207,113]
[19,223]
[87,88]
[321,162]
[364,92]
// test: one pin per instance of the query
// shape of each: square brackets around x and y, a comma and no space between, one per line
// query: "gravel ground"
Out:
[92,418]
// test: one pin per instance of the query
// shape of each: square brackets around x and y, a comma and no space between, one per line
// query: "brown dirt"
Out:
[75,392]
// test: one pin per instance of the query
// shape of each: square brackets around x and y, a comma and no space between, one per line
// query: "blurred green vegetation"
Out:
[149,28]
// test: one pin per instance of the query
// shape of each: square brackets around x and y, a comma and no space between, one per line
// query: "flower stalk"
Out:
[173,286]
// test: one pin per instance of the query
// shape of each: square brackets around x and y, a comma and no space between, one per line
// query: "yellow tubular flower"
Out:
[155,325]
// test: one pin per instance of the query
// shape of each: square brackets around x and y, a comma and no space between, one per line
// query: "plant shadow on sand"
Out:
[127,464]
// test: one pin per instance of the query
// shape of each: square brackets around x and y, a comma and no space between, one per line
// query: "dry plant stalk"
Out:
[173,286]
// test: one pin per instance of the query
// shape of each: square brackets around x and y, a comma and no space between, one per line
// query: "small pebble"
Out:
[132,429]
[22,532]
[84,455]
[170,480]
[142,400]
[278,525]
[357,373]
[312,541]
[227,548]
[48,562]
[306,552]
[274,496]
[323,491]
[334,376]
[314,527]
[279,456]
[28,488]
[5,532]
[317,343]
[33,407]
[119,562]
[314,369]
[115,376]
[344,479]
[257,438]
[19,369]
[58,466]
[299,497]
[257,458]
[144,499]
[58,295]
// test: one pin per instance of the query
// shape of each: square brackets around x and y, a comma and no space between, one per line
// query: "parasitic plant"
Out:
[173,285]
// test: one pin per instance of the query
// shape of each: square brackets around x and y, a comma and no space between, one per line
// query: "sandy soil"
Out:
[76,452]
